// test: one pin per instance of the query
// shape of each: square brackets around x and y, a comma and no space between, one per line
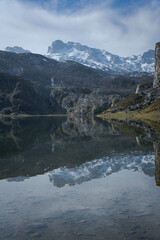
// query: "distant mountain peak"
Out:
[56,46]
[101,59]
[17,49]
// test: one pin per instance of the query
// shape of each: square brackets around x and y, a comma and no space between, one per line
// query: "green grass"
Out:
[150,113]
[128,102]
[154,107]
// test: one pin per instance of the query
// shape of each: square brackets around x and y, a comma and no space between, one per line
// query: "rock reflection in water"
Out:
[148,164]
[157,163]
[146,135]
[34,146]
[75,151]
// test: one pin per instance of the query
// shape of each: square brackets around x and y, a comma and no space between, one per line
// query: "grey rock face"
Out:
[83,101]
[157,65]
[157,163]
[56,46]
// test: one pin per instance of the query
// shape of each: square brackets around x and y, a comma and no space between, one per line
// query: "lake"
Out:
[78,179]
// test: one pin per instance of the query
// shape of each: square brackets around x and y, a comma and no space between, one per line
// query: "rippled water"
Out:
[65,179]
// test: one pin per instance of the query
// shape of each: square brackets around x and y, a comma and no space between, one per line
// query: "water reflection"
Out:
[145,135]
[102,168]
[78,179]
[37,145]
[75,151]
[157,163]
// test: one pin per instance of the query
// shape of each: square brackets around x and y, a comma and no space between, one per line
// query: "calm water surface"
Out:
[65,179]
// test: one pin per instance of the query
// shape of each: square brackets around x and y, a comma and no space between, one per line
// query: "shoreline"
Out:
[151,119]
[30,115]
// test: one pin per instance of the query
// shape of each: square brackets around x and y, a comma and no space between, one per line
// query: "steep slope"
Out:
[69,86]
[18,96]
[101,59]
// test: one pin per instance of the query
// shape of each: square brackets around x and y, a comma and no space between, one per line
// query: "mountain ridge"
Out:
[97,58]
[101,59]
[16,49]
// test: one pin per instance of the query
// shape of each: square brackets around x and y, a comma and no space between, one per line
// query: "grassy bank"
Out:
[152,120]
[120,110]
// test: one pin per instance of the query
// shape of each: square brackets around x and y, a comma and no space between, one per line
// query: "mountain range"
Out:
[17,49]
[96,58]
[101,59]
[65,87]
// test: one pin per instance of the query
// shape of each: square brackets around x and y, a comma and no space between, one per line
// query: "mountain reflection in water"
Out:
[37,145]
[78,179]
[78,150]
[102,168]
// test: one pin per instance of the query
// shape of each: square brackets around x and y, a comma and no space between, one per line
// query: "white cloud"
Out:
[101,26]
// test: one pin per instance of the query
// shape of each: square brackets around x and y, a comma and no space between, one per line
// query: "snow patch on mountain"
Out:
[101,59]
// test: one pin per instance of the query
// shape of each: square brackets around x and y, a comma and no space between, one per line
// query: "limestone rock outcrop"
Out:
[157,164]
[157,65]
[142,87]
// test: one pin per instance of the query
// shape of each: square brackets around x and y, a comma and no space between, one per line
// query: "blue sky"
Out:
[126,6]
[121,27]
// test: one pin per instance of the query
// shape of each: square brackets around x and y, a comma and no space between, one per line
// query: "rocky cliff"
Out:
[157,65]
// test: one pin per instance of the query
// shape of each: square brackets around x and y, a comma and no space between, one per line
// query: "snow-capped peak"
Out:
[101,59]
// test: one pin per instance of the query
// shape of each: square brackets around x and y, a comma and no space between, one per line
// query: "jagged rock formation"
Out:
[157,65]
[157,163]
